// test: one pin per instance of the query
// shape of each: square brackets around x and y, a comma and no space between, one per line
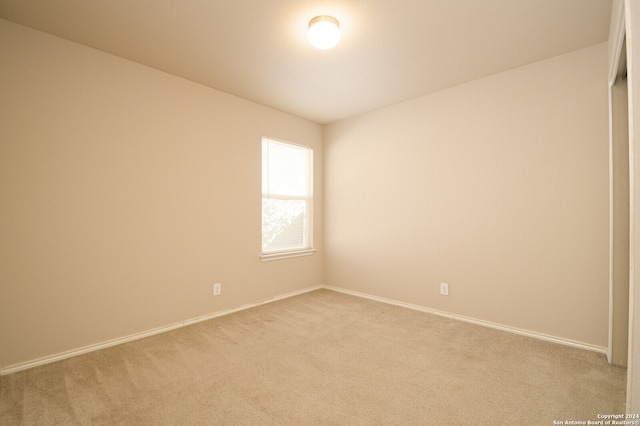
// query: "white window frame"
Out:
[308,247]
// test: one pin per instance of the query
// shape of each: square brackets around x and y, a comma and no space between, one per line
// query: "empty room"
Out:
[425,215]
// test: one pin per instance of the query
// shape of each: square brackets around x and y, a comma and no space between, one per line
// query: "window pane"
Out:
[284,169]
[284,224]
[286,196]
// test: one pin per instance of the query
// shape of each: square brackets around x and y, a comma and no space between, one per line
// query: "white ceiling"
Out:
[391,50]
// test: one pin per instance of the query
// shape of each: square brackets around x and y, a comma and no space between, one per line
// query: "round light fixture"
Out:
[324,32]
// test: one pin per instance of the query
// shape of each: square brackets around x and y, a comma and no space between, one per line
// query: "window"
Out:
[287,201]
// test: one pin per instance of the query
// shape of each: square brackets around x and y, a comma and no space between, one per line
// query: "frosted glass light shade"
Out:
[324,32]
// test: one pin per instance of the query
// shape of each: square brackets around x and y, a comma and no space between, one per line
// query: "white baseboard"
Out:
[63,355]
[522,332]
[75,352]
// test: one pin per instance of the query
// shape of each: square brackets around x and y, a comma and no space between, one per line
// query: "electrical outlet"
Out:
[217,289]
[444,289]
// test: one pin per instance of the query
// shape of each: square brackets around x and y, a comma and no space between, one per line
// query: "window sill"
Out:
[268,257]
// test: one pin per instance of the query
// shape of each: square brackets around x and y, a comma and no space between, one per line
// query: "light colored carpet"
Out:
[320,358]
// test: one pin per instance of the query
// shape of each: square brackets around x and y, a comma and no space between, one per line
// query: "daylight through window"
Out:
[286,197]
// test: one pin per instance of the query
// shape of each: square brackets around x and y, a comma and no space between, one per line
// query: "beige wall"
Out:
[498,187]
[125,193]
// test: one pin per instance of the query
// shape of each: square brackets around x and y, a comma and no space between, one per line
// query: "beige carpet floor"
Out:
[321,358]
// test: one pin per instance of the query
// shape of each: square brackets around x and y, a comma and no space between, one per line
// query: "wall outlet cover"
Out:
[444,289]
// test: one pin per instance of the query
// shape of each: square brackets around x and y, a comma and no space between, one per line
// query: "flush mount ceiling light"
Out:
[324,32]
